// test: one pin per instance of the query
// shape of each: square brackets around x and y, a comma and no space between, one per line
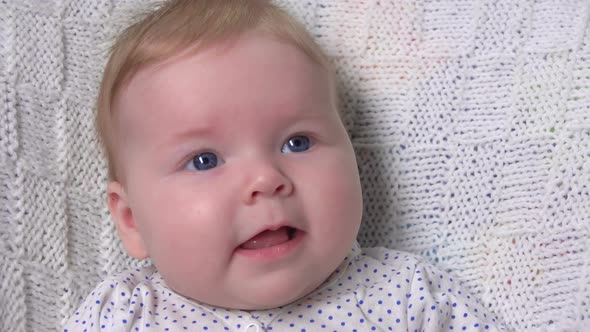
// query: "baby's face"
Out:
[239,175]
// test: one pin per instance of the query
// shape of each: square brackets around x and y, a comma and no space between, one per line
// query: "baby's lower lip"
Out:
[269,238]
[273,252]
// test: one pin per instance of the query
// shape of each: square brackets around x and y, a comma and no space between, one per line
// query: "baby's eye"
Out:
[299,143]
[203,161]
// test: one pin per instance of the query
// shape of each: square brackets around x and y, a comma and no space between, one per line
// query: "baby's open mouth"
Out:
[270,238]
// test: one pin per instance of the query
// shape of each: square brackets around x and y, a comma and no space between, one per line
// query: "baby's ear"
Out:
[124,221]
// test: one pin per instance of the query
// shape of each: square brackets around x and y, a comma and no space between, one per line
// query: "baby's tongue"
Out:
[267,239]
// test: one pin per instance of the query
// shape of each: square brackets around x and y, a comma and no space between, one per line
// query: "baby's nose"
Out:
[268,181]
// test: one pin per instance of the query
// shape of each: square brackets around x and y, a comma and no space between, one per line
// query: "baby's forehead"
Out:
[252,53]
[235,46]
[234,74]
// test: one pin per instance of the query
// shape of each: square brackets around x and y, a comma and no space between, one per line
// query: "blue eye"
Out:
[296,144]
[203,161]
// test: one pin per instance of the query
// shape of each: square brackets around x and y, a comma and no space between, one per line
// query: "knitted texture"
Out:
[471,120]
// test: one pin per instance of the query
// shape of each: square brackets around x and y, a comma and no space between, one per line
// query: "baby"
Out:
[231,170]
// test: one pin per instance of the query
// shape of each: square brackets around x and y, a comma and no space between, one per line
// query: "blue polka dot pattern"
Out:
[375,290]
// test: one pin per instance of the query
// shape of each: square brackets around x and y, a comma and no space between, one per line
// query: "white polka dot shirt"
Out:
[377,289]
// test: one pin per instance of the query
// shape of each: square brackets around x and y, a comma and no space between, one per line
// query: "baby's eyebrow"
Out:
[185,134]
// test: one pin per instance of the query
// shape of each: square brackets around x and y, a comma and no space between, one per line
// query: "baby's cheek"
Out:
[341,179]
[335,191]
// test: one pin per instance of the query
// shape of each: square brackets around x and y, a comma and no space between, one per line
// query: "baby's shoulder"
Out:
[391,256]
[422,294]
[127,285]
[390,260]
[389,268]
[135,298]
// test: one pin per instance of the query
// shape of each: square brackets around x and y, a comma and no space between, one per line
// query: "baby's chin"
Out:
[269,298]
[272,300]
[262,298]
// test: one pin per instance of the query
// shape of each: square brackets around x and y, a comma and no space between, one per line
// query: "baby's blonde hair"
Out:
[178,25]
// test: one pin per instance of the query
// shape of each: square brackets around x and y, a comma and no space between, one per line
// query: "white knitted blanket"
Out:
[471,120]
